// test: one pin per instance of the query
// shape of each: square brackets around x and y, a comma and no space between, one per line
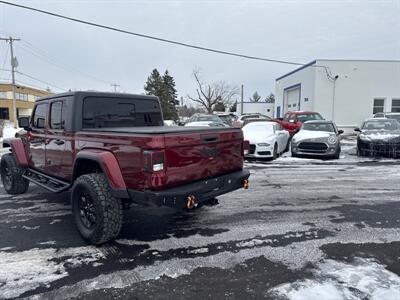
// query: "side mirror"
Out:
[23,122]
[340,131]
[357,129]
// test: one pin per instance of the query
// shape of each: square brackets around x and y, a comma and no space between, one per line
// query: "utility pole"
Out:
[13,66]
[241,100]
[115,86]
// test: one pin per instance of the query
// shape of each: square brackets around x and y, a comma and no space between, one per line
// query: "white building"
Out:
[346,91]
[261,107]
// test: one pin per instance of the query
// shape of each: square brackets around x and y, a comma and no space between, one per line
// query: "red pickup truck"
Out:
[111,150]
[293,120]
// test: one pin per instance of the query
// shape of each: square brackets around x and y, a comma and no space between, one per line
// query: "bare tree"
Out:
[209,94]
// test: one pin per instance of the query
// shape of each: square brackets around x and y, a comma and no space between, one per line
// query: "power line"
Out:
[149,36]
[41,54]
[35,78]
[39,80]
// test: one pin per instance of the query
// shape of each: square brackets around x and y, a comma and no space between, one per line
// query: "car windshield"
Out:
[308,117]
[260,126]
[328,127]
[386,124]
[209,118]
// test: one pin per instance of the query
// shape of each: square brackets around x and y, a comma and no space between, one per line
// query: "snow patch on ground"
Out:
[27,270]
[365,279]
[30,227]
[198,251]
[55,221]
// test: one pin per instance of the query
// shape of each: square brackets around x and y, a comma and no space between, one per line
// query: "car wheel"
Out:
[11,175]
[275,153]
[98,215]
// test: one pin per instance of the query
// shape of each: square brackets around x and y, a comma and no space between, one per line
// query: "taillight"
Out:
[153,161]
[246,147]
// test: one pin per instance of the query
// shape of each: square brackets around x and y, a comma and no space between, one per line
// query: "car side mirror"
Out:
[357,129]
[340,131]
[23,122]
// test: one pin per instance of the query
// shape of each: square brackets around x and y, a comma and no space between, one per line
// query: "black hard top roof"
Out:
[96,94]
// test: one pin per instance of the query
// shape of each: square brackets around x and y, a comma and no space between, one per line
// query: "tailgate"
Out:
[191,156]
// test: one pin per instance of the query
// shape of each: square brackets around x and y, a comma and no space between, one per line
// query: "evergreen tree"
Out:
[164,88]
[270,98]
[255,98]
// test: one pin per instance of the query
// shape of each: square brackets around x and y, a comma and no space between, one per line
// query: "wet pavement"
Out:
[306,229]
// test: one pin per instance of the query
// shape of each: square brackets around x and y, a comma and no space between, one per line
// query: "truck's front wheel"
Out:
[98,215]
[11,175]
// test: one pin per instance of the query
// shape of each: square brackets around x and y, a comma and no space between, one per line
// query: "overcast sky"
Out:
[297,31]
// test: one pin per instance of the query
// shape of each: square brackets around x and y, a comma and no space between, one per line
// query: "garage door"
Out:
[292,99]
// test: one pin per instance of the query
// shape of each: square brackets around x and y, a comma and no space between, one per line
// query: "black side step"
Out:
[45,181]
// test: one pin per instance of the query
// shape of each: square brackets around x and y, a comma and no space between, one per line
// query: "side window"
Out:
[39,116]
[57,115]
[286,117]
[292,117]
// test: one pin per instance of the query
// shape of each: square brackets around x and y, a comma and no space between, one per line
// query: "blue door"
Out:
[278,111]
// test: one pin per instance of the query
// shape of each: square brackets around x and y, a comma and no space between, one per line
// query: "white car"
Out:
[170,123]
[206,120]
[267,139]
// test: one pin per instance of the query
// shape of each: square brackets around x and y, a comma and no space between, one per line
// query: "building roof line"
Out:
[314,62]
[296,70]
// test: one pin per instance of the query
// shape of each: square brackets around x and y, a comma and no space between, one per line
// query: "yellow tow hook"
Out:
[246,184]
[191,202]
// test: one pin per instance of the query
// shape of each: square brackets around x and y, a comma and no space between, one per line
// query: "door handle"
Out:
[59,142]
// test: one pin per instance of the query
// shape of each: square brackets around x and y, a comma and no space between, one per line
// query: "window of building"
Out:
[39,117]
[4,113]
[21,96]
[396,105]
[57,115]
[379,105]
[3,95]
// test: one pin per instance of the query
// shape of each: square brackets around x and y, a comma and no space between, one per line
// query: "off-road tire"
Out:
[107,209]
[11,175]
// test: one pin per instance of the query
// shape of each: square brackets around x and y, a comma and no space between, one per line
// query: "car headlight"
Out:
[263,144]
[332,139]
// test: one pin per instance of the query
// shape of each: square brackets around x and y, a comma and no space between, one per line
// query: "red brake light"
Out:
[153,161]
[246,147]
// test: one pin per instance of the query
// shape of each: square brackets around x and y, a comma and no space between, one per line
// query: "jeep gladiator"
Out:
[112,150]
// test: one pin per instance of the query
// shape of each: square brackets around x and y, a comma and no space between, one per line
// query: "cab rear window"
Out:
[103,112]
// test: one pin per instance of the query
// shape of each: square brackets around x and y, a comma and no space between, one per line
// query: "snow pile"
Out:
[26,270]
[9,130]
[310,134]
[365,279]
[380,136]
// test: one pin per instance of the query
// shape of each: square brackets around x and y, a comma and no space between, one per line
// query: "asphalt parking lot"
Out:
[306,229]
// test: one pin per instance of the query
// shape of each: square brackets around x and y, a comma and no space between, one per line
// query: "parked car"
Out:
[112,150]
[170,123]
[379,137]
[388,115]
[293,120]
[206,120]
[227,118]
[318,138]
[266,139]
[239,123]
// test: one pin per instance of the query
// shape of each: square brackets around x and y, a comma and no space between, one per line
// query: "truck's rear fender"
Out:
[89,160]
[18,149]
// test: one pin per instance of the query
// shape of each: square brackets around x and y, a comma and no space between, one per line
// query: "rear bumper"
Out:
[202,190]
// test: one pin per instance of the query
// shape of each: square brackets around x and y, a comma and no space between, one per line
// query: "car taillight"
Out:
[246,147]
[153,161]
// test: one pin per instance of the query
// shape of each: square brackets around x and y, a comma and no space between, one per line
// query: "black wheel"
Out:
[275,153]
[336,155]
[11,175]
[98,215]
